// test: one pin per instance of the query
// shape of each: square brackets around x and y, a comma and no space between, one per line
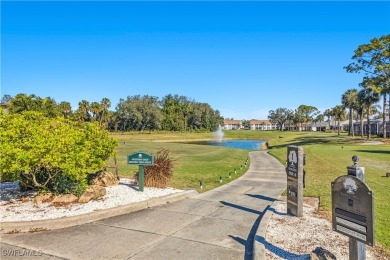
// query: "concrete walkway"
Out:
[218,224]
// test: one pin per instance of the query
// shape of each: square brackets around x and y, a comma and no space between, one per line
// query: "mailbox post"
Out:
[353,210]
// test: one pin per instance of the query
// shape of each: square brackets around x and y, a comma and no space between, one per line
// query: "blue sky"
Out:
[243,58]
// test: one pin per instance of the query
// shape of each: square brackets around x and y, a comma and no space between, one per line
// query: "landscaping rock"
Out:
[64,199]
[103,179]
[321,254]
[23,186]
[43,198]
[93,192]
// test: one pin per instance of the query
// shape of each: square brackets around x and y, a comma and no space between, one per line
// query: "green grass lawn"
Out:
[327,158]
[192,162]
[328,155]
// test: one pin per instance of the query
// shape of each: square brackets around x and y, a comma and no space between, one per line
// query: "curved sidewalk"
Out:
[218,224]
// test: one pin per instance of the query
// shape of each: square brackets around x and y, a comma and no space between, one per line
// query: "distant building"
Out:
[326,125]
[376,127]
[232,124]
[262,125]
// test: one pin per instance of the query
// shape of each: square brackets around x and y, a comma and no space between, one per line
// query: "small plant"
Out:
[160,174]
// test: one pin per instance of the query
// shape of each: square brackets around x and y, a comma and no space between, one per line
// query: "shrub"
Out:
[51,154]
[160,174]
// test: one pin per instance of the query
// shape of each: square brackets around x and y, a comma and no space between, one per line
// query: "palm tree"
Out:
[373,59]
[95,109]
[349,99]
[112,122]
[84,110]
[384,90]
[360,108]
[320,118]
[49,107]
[380,85]
[105,104]
[369,95]
[65,108]
[339,114]
[328,114]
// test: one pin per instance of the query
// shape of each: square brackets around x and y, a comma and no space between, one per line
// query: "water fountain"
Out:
[218,135]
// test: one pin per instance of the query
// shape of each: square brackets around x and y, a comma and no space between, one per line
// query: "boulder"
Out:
[64,199]
[92,193]
[103,179]
[42,198]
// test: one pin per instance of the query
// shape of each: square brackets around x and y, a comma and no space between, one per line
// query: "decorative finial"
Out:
[355,159]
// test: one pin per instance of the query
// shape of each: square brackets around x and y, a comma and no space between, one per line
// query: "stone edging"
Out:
[48,224]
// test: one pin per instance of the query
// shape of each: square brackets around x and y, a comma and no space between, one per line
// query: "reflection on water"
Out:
[239,144]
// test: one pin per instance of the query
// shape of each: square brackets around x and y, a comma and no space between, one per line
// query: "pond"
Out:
[239,144]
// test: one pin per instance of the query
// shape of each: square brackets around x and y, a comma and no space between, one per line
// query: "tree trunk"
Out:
[352,128]
[361,125]
[338,126]
[350,121]
[101,118]
[389,108]
[384,116]
[368,121]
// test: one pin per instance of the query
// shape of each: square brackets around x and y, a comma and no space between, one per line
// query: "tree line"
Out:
[373,60]
[135,113]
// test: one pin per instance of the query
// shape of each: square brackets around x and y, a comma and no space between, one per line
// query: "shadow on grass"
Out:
[279,251]
[374,151]
[302,140]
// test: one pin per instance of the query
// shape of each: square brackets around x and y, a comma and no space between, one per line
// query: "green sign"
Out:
[140,158]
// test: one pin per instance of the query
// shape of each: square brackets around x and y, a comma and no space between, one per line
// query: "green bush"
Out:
[51,154]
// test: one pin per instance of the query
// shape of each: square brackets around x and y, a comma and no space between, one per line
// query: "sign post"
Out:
[294,171]
[353,210]
[141,159]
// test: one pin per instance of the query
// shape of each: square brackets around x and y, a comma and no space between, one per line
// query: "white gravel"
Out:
[13,209]
[291,237]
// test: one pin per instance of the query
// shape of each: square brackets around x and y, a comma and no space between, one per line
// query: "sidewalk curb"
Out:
[259,239]
[48,224]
